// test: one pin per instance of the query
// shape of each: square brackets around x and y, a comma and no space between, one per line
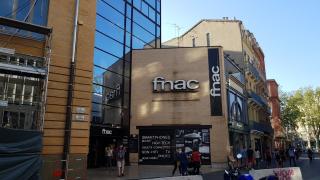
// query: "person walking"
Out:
[282,157]
[182,157]
[244,157]
[250,155]
[310,155]
[196,161]
[176,162]
[108,156]
[291,154]
[278,158]
[120,157]
[268,157]
[258,158]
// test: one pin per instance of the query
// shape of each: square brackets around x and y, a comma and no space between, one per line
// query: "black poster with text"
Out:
[215,82]
[156,146]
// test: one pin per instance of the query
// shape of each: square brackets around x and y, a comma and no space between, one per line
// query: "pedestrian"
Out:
[277,157]
[231,160]
[250,155]
[176,162]
[244,157]
[108,156]
[120,157]
[292,156]
[182,157]
[268,157]
[258,158]
[196,161]
[310,155]
[282,157]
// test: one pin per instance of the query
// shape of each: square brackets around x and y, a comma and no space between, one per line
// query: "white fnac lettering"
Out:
[215,78]
[160,84]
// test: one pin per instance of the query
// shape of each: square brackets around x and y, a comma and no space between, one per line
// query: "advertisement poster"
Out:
[158,146]
[190,139]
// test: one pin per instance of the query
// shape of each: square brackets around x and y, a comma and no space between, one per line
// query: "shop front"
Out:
[178,100]
[100,138]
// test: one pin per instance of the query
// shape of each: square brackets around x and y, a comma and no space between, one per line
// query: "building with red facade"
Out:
[274,103]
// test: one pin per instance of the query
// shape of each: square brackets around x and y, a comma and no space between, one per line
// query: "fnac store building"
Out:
[178,100]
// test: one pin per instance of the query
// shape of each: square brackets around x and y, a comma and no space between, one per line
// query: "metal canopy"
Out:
[25,26]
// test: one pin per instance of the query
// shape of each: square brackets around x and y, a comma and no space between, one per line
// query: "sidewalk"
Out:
[139,172]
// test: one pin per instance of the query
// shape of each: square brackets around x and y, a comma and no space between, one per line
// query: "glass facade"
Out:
[121,25]
[32,11]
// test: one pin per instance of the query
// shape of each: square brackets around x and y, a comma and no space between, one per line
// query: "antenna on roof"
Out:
[177,29]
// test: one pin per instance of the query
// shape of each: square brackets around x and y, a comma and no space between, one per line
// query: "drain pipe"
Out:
[67,129]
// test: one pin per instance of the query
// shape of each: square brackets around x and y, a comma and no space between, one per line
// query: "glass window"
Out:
[144,8]
[151,3]
[6,8]
[143,34]
[137,4]
[109,28]
[127,56]
[158,32]
[152,14]
[98,78]
[158,5]
[128,40]
[109,45]
[143,21]
[158,19]
[106,78]
[111,115]
[208,39]
[111,80]
[117,4]
[108,12]
[128,25]
[129,10]
[138,44]
[107,61]
[40,12]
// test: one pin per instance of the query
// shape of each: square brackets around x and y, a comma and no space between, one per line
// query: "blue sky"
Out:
[288,31]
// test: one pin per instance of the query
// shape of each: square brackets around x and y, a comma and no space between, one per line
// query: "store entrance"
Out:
[96,156]
[102,137]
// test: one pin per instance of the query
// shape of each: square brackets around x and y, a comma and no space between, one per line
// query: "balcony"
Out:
[257,99]
[260,127]
[255,72]
[23,65]
[252,71]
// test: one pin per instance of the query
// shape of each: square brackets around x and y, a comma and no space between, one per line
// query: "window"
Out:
[193,42]
[19,9]
[208,39]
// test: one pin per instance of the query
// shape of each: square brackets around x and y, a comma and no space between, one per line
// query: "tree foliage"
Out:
[302,108]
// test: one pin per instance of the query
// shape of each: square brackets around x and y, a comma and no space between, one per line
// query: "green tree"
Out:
[290,113]
[309,109]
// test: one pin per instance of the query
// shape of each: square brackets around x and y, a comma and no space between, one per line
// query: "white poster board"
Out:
[291,173]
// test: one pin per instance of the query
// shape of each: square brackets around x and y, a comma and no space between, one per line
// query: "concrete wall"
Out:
[182,108]
[222,33]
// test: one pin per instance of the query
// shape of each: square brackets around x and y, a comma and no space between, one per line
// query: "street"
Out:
[310,171]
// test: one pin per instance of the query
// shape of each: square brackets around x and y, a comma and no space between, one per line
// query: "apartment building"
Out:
[274,103]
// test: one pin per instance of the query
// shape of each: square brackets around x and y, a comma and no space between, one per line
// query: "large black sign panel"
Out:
[215,82]
[156,147]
